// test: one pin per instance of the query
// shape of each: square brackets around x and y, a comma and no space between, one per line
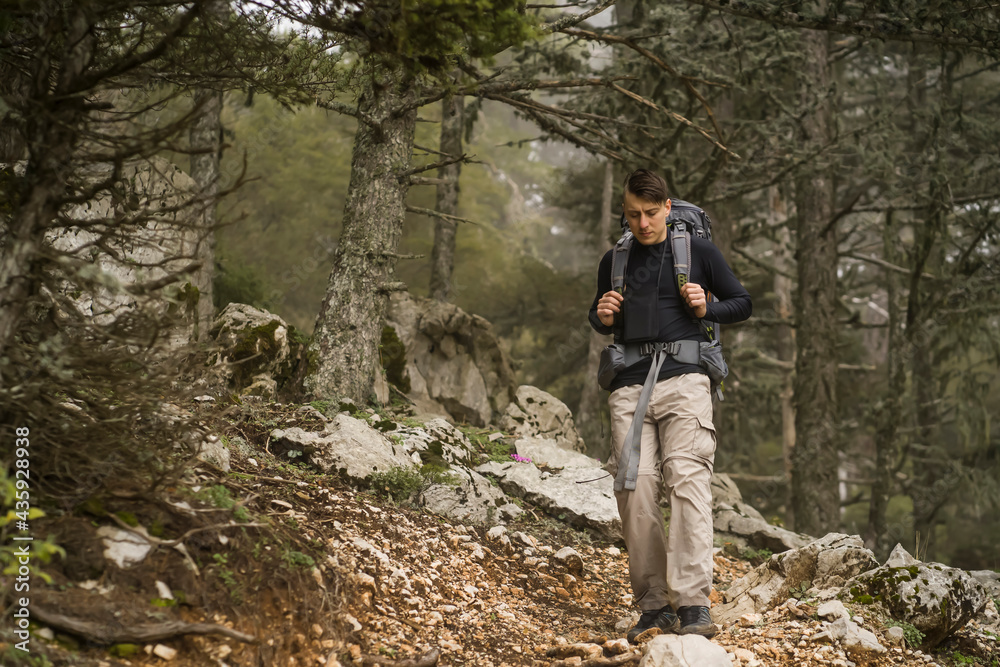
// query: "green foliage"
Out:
[755,555]
[914,637]
[402,483]
[228,577]
[221,497]
[961,659]
[799,592]
[293,559]
[39,551]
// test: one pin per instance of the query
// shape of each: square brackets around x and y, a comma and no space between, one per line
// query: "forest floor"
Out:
[322,573]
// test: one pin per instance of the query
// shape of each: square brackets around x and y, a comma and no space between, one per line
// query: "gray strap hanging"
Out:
[628,464]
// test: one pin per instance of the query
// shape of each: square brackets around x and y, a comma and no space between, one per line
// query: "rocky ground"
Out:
[319,572]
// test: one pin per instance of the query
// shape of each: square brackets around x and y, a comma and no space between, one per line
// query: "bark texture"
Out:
[344,350]
[889,413]
[206,137]
[443,253]
[815,456]
[590,415]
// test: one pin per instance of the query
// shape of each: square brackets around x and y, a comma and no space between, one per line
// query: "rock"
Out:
[736,521]
[157,244]
[164,652]
[826,562]
[471,498]
[750,620]
[625,624]
[934,598]
[900,557]
[684,651]
[345,445]
[585,651]
[538,414]
[257,355]
[447,361]
[895,636]
[213,451]
[990,581]
[590,504]
[122,547]
[744,655]
[436,442]
[546,453]
[855,640]
[617,646]
[569,558]
[832,610]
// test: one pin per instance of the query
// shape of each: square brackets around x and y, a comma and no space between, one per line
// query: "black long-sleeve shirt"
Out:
[670,320]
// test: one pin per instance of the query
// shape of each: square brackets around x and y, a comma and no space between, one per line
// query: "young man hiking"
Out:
[673,445]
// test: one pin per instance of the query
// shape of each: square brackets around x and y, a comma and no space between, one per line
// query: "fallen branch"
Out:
[117,633]
[428,659]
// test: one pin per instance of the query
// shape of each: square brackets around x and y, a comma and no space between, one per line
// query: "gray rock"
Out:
[935,599]
[346,445]
[472,498]
[546,453]
[256,356]
[854,639]
[437,441]
[832,610]
[896,636]
[454,364]
[826,562]
[590,504]
[684,651]
[213,451]
[738,522]
[990,581]
[122,547]
[536,413]
[900,557]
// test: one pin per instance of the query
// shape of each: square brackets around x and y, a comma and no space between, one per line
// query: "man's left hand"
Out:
[696,300]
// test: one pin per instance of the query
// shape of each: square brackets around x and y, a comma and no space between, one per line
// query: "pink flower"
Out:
[520,459]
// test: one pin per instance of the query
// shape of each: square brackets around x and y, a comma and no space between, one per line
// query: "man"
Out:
[677,435]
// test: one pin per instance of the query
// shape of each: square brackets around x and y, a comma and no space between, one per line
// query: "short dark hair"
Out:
[647,185]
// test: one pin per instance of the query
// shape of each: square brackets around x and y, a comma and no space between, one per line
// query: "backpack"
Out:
[684,220]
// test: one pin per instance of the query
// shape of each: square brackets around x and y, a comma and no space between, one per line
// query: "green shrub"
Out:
[913,637]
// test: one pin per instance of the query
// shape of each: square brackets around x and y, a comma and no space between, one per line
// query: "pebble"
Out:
[164,652]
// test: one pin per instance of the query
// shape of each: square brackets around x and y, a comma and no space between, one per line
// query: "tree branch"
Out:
[884,28]
[115,633]
[347,110]
[572,20]
[877,261]
[438,214]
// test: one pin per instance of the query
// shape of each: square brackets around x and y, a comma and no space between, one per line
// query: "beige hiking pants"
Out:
[678,452]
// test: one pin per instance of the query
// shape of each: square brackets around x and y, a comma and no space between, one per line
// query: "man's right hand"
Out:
[607,306]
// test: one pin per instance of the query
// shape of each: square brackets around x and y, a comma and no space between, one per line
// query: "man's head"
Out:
[646,206]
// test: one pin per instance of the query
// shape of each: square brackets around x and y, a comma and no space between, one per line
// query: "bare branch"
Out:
[117,633]
[347,110]
[407,175]
[877,261]
[438,214]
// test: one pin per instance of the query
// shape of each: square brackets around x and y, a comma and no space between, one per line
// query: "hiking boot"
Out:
[696,621]
[665,619]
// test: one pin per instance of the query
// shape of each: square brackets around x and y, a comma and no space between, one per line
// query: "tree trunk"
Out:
[52,133]
[349,325]
[815,457]
[590,415]
[443,253]
[206,136]
[786,339]
[888,415]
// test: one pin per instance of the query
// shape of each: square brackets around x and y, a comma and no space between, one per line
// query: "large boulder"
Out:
[684,651]
[346,445]
[437,443]
[256,354]
[137,233]
[469,497]
[447,361]
[580,492]
[535,413]
[934,598]
[737,522]
[824,563]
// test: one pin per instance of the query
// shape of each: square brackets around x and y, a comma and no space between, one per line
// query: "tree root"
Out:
[118,633]
[428,659]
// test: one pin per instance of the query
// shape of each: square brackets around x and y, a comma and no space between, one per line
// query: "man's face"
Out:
[646,219]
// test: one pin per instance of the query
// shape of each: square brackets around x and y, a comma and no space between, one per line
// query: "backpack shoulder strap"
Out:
[680,247]
[619,262]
